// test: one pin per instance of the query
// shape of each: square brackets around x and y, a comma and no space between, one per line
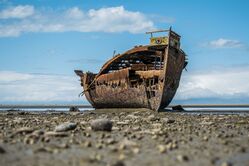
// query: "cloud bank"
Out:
[24,87]
[24,19]
[223,83]
[18,12]
[225,43]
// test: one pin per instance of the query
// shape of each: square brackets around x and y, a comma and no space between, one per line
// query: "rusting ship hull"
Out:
[143,77]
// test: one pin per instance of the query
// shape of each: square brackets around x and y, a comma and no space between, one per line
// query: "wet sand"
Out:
[138,137]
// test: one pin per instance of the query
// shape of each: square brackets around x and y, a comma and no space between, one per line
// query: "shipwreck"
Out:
[142,77]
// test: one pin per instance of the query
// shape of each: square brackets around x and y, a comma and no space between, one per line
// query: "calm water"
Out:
[242,111]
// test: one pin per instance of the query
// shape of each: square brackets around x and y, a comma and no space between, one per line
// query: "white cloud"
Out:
[9,76]
[225,43]
[24,87]
[17,12]
[223,83]
[75,13]
[110,19]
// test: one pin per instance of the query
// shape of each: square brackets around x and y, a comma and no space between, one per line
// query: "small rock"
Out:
[2,150]
[206,123]
[135,150]
[122,156]
[152,118]
[42,149]
[182,158]
[242,149]
[74,109]
[136,128]
[115,128]
[167,120]
[99,146]
[118,163]
[178,108]
[205,138]
[127,143]
[24,130]
[96,157]
[123,123]
[101,125]
[161,148]
[65,127]
[38,132]
[226,164]
[110,141]
[56,134]
[87,144]
[28,140]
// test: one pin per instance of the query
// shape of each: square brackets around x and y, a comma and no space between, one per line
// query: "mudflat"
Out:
[121,137]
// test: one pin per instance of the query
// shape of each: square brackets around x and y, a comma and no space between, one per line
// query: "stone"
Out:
[55,134]
[118,163]
[87,144]
[110,141]
[151,118]
[182,158]
[167,120]
[226,164]
[24,130]
[123,123]
[205,138]
[38,132]
[127,143]
[101,125]
[2,150]
[122,156]
[178,108]
[161,148]
[74,109]
[135,150]
[65,127]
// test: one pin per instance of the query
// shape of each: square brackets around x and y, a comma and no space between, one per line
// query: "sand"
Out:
[137,137]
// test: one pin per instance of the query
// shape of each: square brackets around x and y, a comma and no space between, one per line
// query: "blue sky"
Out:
[43,41]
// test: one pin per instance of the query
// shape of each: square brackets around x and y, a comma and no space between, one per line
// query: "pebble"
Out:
[101,125]
[167,120]
[205,138]
[96,157]
[123,123]
[74,109]
[24,130]
[122,156]
[182,158]
[2,150]
[118,163]
[110,141]
[38,132]
[65,127]
[87,144]
[135,150]
[161,148]
[151,118]
[56,134]
[226,164]
[127,143]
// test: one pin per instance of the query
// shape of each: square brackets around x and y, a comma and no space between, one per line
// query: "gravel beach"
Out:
[123,137]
